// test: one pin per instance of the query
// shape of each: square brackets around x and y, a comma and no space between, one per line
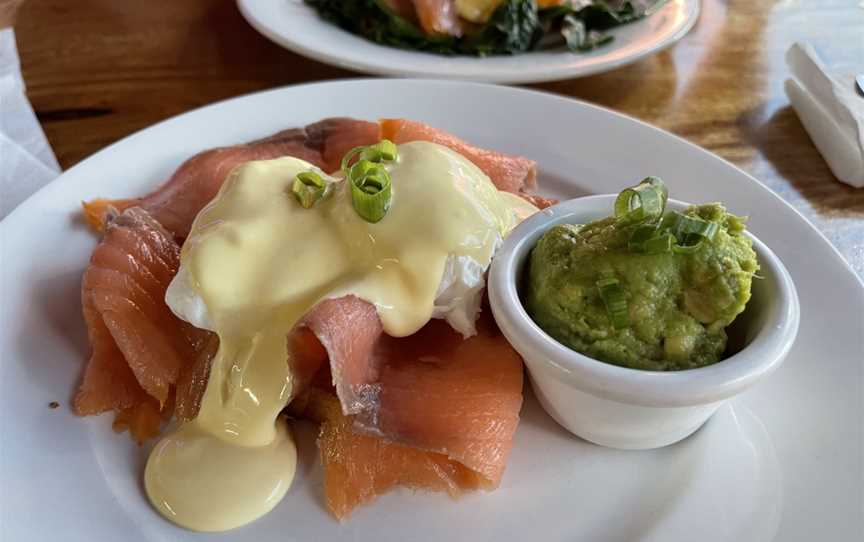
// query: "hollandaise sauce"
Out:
[258,258]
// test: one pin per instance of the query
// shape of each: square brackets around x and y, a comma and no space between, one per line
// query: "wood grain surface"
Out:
[98,70]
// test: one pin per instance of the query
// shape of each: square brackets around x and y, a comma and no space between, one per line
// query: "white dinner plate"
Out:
[783,459]
[296,26]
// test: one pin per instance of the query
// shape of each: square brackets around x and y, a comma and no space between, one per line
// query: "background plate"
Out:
[296,26]
[785,458]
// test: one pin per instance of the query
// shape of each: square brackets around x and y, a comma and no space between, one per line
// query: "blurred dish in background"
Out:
[485,27]
[508,41]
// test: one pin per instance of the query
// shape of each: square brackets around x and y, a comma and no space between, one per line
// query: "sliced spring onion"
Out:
[308,187]
[680,233]
[615,299]
[650,239]
[688,244]
[371,190]
[690,232]
[645,201]
[348,156]
[383,151]
[685,225]
[668,221]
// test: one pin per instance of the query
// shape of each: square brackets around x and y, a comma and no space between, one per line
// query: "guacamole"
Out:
[673,301]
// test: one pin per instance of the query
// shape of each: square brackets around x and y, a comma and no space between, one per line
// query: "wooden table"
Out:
[98,70]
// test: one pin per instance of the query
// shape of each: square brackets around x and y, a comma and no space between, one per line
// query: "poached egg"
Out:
[256,262]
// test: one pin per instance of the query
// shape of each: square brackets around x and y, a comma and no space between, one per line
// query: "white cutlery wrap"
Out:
[831,110]
[27,162]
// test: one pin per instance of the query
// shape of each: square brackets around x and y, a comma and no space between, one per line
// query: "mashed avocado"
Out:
[678,302]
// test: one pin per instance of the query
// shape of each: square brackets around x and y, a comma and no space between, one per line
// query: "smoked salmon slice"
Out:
[143,420]
[442,393]
[139,348]
[192,381]
[349,329]
[359,467]
[108,383]
[510,173]
[440,412]
[176,203]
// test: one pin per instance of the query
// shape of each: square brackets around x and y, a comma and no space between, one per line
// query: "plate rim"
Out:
[512,77]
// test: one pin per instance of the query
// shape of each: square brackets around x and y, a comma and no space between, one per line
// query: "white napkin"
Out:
[831,110]
[26,160]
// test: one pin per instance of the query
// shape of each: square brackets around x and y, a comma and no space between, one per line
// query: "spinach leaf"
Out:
[513,28]
[582,23]
[374,21]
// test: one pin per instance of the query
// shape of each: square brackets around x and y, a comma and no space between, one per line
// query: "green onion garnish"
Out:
[383,151]
[308,187]
[684,225]
[348,156]
[691,231]
[615,299]
[371,190]
[650,239]
[645,201]
[370,182]
[644,204]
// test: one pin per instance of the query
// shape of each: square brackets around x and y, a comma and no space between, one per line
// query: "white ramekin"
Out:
[628,408]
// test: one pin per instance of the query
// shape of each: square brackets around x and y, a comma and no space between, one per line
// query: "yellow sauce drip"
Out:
[260,262]
[208,484]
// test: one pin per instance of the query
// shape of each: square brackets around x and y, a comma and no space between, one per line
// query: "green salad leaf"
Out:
[516,26]
[582,23]
[513,28]
[373,20]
